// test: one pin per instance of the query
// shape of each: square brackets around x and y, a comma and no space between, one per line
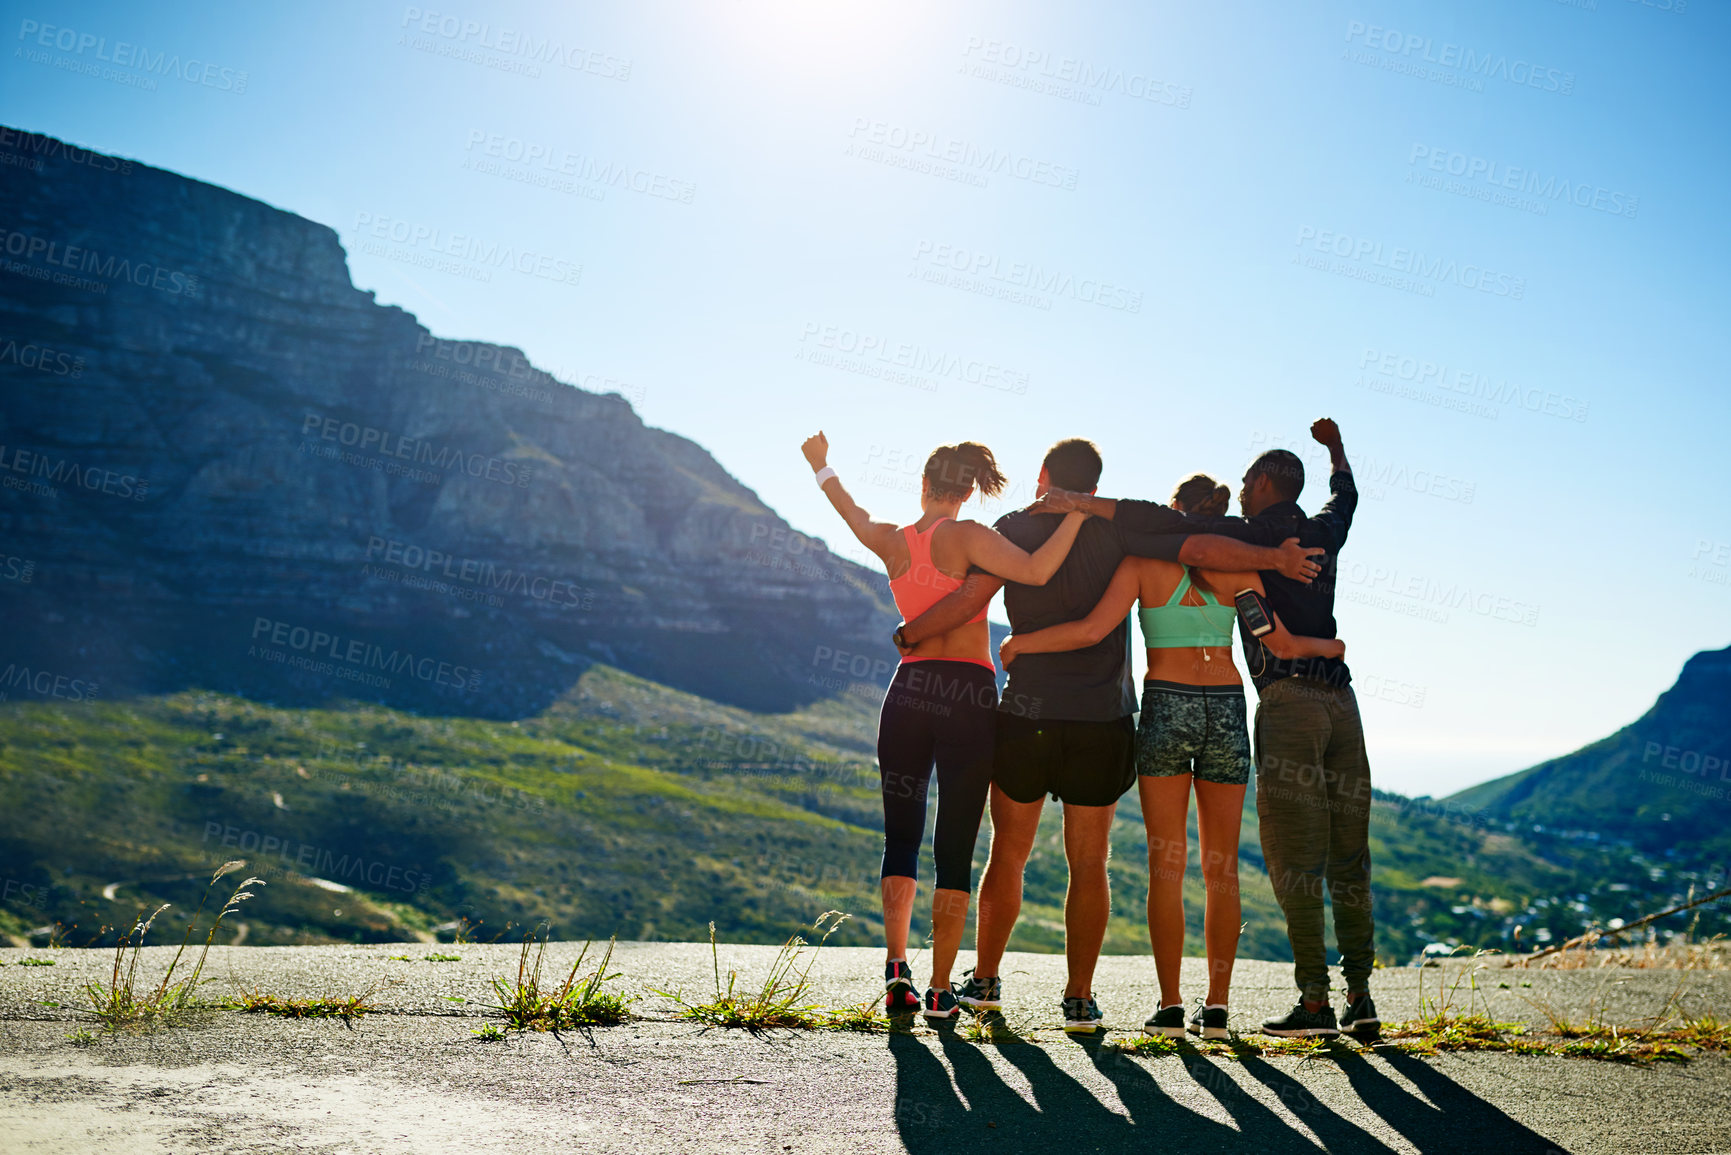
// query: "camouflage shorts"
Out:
[1197,730]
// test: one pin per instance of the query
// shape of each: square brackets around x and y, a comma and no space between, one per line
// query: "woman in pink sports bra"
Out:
[940,709]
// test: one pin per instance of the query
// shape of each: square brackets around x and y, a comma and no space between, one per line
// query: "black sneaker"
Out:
[1168,1021]
[1299,1023]
[981,994]
[1082,1016]
[941,1004]
[900,997]
[1360,1018]
[1209,1022]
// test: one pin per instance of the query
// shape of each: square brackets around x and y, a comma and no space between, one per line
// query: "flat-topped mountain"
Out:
[225,466]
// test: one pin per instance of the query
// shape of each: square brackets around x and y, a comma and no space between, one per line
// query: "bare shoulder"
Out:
[1226,585]
[1157,578]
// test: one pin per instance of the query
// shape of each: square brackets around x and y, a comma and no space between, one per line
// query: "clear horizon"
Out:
[1483,239]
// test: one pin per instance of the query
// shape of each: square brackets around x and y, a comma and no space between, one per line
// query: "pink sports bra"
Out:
[923,585]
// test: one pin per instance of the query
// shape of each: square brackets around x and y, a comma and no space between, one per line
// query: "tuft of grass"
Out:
[490,1033]
[867,1018]
[1148,1046]
[121,1003]
[575,1002]
[1238,1047]
[399,958]
[443,958]
[35,962]
[782,1001]
[994,1029]
[265,1003]
[81,1038]
[1709,1032]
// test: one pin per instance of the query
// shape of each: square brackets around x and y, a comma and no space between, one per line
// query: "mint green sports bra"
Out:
[1173,626]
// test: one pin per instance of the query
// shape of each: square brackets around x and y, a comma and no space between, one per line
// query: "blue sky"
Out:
[1488,238]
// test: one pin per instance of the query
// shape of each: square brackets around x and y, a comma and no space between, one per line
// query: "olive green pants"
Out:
[1313,803]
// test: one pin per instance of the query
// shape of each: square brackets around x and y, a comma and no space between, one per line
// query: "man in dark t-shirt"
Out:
[1064,719]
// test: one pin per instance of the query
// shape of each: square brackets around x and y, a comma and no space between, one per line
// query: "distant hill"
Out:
[1661,783]
[227,468]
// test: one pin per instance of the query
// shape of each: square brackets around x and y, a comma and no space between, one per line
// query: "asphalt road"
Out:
[413,1077]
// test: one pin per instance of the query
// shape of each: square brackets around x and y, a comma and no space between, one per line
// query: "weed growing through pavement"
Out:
[490,1033]
[575,1002]
[35,962]
[784,998]
[444,958]
[120,1004]
[992,1027]
[81,1038]
[867,1018]
[264,1003]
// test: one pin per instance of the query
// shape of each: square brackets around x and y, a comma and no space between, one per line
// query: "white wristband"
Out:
[825,474]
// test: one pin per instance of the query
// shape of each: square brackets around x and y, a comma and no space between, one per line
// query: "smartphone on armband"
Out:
[1254,613]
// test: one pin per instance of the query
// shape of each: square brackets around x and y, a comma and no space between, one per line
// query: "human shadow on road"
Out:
[1259,1122]
[931,1117]
[1454,1118]
[934,1115]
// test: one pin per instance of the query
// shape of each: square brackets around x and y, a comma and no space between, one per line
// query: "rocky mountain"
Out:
[224,466]
[1662,783]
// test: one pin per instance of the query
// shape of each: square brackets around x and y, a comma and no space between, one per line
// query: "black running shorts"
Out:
[1082,763]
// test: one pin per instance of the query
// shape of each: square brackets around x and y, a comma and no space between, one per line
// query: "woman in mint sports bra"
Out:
[1191,733]
[941,707]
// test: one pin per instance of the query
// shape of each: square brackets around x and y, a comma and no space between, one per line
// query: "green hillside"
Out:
[1662,783]
[627,808]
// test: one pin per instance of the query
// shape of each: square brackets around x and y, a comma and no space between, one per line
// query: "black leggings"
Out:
[943,712]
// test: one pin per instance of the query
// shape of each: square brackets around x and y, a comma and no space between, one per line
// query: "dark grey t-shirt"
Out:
[1088,685]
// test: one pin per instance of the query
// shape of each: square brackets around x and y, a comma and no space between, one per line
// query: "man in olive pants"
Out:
[1312,776]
